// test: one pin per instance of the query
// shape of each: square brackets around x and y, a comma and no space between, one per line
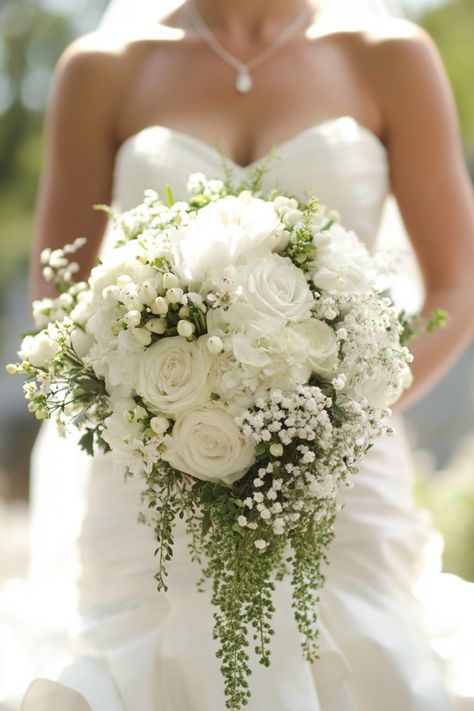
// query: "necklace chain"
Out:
[243,81]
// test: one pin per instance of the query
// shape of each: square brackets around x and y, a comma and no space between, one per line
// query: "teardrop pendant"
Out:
[243,82]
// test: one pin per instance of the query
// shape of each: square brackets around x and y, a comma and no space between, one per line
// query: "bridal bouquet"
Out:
[234,352]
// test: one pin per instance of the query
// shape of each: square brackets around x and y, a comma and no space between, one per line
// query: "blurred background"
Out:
[33,33]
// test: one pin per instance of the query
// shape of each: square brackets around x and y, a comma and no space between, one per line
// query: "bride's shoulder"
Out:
[104,50]
[96,68]
[97,56]
[394,54]
[375,37]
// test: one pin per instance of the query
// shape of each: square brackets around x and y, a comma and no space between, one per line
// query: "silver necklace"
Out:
[243,80]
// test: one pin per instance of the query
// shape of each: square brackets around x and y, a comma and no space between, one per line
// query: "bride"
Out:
[354,110]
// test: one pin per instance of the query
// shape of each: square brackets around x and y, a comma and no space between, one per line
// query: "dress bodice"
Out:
[339,161]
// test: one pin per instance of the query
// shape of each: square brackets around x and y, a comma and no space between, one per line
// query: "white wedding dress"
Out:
[119,645]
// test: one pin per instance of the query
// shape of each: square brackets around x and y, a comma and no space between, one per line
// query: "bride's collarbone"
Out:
[243,126]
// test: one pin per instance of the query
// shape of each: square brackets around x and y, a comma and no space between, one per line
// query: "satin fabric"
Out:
[122,646]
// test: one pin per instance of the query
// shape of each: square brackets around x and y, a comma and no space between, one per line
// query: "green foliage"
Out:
[300,248]
[414,326]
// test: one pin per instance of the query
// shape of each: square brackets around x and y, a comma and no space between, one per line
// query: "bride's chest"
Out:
[339,161]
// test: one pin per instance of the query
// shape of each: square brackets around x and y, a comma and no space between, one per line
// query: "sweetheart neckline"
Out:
[277,148]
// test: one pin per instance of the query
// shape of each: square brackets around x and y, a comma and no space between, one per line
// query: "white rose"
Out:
[173,374]
[207,444]
[274,286]
[321,349]
[224,232]
[40,349]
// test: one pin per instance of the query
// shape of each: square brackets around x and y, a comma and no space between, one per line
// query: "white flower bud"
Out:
[111,293]
[73,267]
[65,301]
[139,413]
[174,295]
[184,312]
[194,298]
[159,424]
[159,306]
[147,294]
[142,335]
[186,328]
[214,344]
[79,242]
[123,280]
[292,217]
[45,255]
[48,274]
[57,259]
[158,281]
[11,369]
[276,449]
[132,318]
[157,325]
[170,281]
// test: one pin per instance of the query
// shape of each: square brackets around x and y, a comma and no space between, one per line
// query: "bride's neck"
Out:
[249,18]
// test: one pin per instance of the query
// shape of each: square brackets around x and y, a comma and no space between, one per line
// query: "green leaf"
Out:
[169,196]
[33,332]
[86,442]
[206,522]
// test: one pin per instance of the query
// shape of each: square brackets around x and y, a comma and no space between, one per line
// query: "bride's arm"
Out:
[432,186]
[79,155]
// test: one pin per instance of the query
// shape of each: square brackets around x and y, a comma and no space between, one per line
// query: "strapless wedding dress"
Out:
[126,647]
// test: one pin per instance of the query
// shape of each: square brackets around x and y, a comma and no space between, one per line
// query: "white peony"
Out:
[173,374]
[207,444]
[342,263]
[321,345]
[40,349]
[265,361]
[241,318]
[225,231]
